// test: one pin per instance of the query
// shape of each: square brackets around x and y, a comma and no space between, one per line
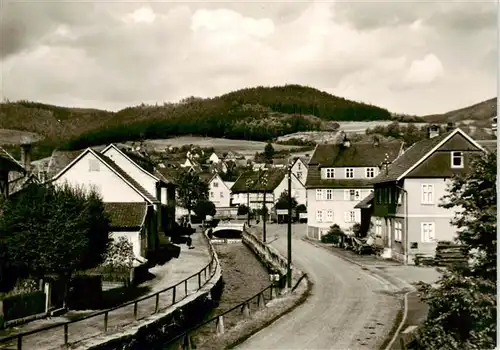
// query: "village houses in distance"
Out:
[390,191]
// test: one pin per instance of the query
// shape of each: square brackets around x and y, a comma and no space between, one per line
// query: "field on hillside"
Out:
[8,136]
[243,147]
[360,127]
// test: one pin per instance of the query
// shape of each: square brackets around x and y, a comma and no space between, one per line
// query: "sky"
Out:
[422,57]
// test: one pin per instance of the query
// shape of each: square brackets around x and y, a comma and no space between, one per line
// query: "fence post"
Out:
[220,325]
[157,302]
[271,292]
[173,296]
[199,280]
[19,342]
[135,310]
[245,310]
[187,342]
[205,271]
[105,322]
[185,287]
[65,334]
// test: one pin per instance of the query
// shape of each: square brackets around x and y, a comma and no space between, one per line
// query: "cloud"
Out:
[406,56]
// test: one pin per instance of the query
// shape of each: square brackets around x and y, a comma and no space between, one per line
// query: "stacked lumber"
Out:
[450,254]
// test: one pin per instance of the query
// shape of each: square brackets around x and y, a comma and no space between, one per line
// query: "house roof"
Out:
[20,182]
[365,203]
[206,177]
[129,155]
[304,160]
[114,168]
[361,154]
[416,154]
[126,177]
[256,184]
[126,215]
[357,155]
[56,162]
[8,162]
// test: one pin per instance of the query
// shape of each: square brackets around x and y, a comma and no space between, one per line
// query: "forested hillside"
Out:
[259,113]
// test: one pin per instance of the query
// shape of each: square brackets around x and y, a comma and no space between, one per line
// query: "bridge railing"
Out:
[118,316]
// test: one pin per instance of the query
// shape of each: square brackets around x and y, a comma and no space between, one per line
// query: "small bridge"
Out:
[228,231]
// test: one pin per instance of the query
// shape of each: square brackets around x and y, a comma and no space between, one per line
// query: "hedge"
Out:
[23,305]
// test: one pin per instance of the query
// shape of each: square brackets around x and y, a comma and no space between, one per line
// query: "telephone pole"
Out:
[289,262]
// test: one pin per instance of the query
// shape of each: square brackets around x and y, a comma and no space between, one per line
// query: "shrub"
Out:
[23,305]
[356,229]
[242,210]
[334,235]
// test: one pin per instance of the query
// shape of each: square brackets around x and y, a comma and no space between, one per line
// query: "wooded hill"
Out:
[260,113]
[480,113]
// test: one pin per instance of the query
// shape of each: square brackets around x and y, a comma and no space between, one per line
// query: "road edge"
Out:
[393,335]
[303,298]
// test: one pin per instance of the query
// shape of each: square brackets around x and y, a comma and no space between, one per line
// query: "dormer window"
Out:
[457,160]
[349,173]
[330,173]
[370,172]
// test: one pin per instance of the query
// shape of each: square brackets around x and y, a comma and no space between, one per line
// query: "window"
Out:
[352,195]
[378,227]
[299,166]
[212,195]
[350,216]
[427,194]
[222,195]
[319,195]
[329,195]
[427,232]
[330,173]
[299,175]
[319,216]
[457,160]
[215,184]
[370,172]
[329,216]
[349,173]
[93,165]
[398,231]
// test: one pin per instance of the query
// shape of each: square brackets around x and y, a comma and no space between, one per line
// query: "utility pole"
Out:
[249,183]
[264,210]
[289,262]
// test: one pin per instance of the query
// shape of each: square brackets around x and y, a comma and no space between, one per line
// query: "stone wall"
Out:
[155,329]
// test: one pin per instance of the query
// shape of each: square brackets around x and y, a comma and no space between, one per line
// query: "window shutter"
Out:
[422,193]
[357,215]
[347,195]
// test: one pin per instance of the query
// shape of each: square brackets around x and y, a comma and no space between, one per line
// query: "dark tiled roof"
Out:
[55,163]
[409,158]
[126,215]
[9,162]
[274,178]
[170,174]
[205,177]
[314,181]
[129,179]
[365,203]
[362,154]
[21,181]
[489,145]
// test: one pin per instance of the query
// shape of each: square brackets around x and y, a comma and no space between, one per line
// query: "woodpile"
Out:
[449,254]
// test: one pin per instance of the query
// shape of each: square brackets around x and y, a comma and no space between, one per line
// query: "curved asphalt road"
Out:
[348,308]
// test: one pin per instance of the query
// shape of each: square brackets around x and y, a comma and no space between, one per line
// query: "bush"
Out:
[333,236]
[23,305]
[242,210]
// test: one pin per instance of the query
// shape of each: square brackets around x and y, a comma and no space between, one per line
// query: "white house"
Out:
[250,187]
[117,185]
[214,158]
[338,177]
[299,169]
[404,211]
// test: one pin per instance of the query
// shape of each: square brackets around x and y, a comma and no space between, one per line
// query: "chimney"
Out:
[450,126]
[433,131]
[376,141]
[26,153]
[346,142]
